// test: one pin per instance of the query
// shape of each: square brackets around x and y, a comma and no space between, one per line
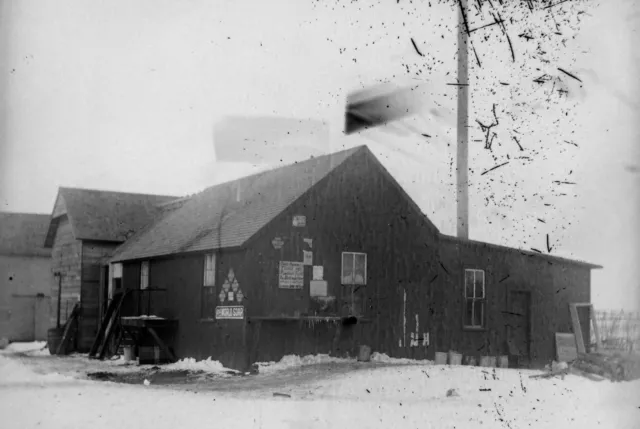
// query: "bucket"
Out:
[455,358]
[503,361]
[470,360]
[54,337]
[364,354]
[488,361]
[128,353]
[441,358]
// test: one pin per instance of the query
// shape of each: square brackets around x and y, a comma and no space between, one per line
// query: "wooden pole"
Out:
[59,275]
[462,165]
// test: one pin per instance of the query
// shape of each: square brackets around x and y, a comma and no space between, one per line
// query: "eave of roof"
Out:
[544,256]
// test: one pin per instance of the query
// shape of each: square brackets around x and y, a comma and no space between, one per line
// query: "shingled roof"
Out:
[217,218]
[104,215]
[22,234]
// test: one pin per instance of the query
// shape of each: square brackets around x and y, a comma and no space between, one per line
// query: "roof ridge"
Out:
[271,170]
[115,192]
[24,213]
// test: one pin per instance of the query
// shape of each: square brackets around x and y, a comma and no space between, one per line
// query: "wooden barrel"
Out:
[54,336]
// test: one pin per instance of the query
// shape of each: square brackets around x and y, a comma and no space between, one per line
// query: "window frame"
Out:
[209,287]
[144,266]
[473,300]
[342,265]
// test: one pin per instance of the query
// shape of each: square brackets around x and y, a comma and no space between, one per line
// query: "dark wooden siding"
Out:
[66,258]
[182,277]
[359,209]
[552,286]
[93,254]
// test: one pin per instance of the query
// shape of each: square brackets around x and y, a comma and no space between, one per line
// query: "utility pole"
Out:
[462,148]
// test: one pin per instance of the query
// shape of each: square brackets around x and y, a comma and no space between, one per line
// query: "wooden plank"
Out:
[161,343]
[67,328]
[577,330]
[594,323]
[566,350]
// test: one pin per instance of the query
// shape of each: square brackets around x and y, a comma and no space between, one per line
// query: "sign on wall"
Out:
[277,243]
[318,272]
[230,312]
[299,221]
[291,275]
[307,257]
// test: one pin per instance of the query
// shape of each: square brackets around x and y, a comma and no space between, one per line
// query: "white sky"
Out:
[124,95]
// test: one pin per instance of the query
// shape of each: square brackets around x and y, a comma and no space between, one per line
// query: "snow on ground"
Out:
[383,358]
[365,395]
[292,361]
[36,348]
[190,364]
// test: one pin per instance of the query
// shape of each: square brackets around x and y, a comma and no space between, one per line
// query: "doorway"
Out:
[519,326]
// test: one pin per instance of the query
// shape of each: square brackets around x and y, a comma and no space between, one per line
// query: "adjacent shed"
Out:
[84,228]
[25,277]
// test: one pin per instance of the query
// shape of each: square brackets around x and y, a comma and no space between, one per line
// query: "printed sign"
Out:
[318,272]
[291,275]
[299,221]
[307,257]
[230,312]
[277,243]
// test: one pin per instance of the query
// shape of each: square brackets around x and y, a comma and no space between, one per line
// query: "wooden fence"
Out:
[619,330]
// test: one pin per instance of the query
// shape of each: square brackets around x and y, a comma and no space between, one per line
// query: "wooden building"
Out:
[25,277]
[328,254]
[84,228]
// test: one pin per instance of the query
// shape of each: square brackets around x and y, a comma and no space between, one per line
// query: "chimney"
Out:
[462,161]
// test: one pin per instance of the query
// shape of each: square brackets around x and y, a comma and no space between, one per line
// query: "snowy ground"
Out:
[37,390]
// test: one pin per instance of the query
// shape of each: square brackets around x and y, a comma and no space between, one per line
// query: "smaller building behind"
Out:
[25,277]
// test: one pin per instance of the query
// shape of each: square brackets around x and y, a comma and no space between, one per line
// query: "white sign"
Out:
[308,241]
[318,288]
[291,275]
[230,312]
[299,220]
[318,272]
[307,257]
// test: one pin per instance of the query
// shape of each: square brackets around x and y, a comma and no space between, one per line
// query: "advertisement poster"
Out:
[291,275]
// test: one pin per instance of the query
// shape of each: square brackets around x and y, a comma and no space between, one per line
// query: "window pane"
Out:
[117,271]
[347,268]
[360,269]
[479,284]
[478,313]
[468,317]
[209,270]
[468,282]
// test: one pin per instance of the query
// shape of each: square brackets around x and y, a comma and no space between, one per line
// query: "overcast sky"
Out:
[124,95]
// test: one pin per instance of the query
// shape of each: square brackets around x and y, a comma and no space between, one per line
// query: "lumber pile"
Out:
[615,367]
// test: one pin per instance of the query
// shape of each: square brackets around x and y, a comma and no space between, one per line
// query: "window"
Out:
[117,276]
[209,295]
[474,298]
[354,268]
[144,274]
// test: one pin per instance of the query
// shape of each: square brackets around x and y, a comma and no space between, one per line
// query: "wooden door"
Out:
[519,326]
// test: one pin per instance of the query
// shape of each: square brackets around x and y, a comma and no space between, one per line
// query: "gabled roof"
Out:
[22,234]
[216,218]
[104,215]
